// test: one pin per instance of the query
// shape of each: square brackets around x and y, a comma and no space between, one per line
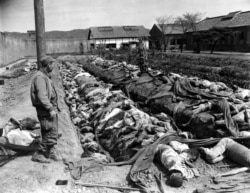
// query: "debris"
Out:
[233,172]
[61,182]
[160,183]
[1,82]
[107,186]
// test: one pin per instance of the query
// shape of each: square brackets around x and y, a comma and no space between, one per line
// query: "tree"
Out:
[214,35]
[162,22]
[188,22]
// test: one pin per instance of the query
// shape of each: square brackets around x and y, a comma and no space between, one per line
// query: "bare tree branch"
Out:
[188,21]
[162,22]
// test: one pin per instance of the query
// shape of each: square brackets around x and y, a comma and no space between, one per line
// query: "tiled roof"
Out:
[233,19]
[208,23]
[171,29]
[118,32]
[242,19]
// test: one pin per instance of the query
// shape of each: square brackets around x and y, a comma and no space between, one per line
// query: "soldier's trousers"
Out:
[49,132]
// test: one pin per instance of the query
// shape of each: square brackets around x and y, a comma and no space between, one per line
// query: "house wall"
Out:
[119,41]
[234,43]
[173,40]
[155,37]
[13,48]
[238,42]
[248,38]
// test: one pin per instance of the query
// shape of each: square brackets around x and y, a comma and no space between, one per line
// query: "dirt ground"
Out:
[23,175]
[26,176]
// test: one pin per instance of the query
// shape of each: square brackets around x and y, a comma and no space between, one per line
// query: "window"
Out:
[110,45]
[130,28]
[105,29]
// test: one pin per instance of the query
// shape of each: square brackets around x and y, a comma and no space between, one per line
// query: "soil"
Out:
[23,175]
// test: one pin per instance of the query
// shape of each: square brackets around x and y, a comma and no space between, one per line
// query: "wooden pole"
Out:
[233,172]
[40,30]
[106,186]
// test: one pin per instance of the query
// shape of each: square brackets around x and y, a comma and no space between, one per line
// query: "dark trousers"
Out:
[49,132]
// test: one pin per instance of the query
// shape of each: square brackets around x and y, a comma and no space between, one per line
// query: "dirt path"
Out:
[24,176]
[15,99]
[21,174]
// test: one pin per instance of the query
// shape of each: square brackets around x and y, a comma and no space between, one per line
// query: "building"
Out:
[173,35]
[238,23]
[118,36]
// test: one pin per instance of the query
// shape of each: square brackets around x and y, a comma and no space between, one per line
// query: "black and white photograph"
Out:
[124,96]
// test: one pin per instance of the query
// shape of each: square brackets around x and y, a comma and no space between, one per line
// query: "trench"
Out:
[97,88]
[109,124]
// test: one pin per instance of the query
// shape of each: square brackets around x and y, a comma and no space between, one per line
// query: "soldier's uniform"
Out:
[44,99]
[142,58]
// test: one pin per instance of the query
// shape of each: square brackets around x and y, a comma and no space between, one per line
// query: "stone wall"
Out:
[58,46]
[11,49]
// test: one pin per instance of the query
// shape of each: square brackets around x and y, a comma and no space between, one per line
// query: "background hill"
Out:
[76,33]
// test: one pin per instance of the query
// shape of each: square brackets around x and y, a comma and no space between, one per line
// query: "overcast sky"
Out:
[18,15]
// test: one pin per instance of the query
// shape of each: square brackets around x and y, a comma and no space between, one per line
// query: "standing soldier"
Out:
[142,57]
[44,99]
[81,48]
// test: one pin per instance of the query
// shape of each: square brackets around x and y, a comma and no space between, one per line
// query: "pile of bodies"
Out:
[203,108]
[179,109]
[107,120]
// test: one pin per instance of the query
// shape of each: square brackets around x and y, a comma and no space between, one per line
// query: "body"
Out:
[174,157]
[230,149]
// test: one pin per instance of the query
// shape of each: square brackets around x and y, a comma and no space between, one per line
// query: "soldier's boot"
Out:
[39,157]
[53,154]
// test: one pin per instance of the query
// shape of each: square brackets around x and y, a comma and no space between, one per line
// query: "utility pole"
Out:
[40,30]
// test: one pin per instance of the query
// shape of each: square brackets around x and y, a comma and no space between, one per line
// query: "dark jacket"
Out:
[43,93]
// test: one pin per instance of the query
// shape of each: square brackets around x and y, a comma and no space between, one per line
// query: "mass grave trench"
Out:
[91,102]
[164,94]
